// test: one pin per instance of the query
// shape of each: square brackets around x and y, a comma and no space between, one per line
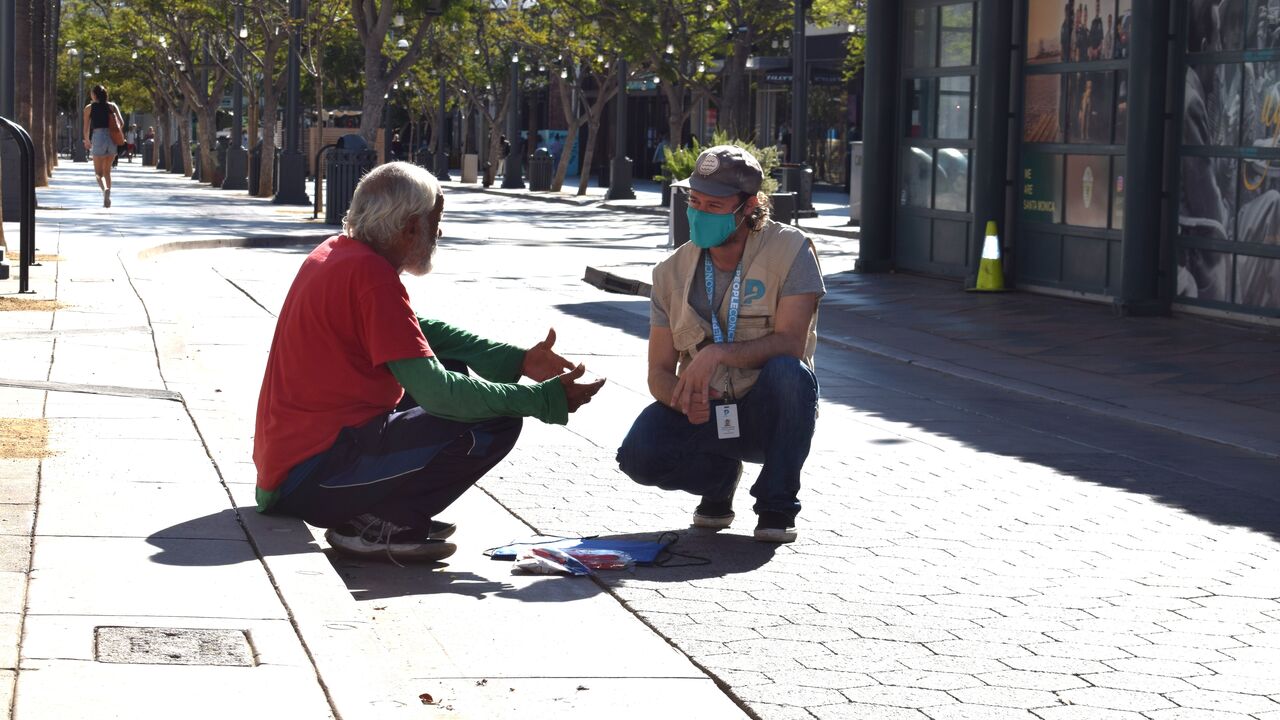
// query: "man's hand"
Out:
[542,363]
[693,386]
[700,411]
[577,394]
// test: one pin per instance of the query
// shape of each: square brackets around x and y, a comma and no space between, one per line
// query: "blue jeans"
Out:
[776,417]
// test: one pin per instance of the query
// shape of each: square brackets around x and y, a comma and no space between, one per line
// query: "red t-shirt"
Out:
[346,315]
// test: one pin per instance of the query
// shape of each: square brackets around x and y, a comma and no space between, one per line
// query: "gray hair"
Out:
[386,197]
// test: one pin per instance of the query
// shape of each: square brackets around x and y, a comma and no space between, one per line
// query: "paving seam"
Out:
[222,480]
[117,390]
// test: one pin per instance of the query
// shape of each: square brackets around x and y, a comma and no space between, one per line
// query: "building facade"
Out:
[1128,149]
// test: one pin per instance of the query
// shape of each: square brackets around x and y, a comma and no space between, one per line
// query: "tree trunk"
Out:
[163,122]
[206,123]
[53,59]
[733,106]
[184,139]
[22,55]
[39,123]
[584,169]
[253,119]
[676,113]
[371,109]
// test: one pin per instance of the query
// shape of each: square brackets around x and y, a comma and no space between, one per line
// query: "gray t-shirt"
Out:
[804,277]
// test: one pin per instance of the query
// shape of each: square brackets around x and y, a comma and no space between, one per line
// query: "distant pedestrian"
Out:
[368,421]
[732,332]
[97,138]
[131,142]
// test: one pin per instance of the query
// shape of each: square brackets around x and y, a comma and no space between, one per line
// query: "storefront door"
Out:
[1074,122]
[1227,249]
[936,121]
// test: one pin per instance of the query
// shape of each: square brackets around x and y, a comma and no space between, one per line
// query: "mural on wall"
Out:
[1224,199]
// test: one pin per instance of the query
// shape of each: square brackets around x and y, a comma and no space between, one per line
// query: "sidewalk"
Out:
[138,580]
[143,377]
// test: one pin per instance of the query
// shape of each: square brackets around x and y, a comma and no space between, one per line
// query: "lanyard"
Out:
[716,334]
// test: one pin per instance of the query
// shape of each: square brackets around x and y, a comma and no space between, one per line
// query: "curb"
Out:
[274,241]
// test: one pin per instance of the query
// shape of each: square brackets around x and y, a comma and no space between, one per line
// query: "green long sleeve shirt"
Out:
[495,393]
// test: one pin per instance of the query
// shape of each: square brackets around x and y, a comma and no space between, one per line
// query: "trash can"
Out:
[345,164]
[798,179]
[220,159]
[255,167]
[540,171]
[470,168]
[176,165]
[784,207]
[148,152]
[197,169]
[678,222]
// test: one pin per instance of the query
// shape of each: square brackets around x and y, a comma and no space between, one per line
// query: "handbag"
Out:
[113,127]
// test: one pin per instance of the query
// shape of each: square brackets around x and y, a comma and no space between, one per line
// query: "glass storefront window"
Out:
[1089,107]
[1264,25]
[957,35]
[1048,31]
[1122,107]
[1204,274]
[1207,198]
[1258,281]
[922,38]
[921,112]
[917,175]
[955,107]
[1261,104]
[1212,105]
[1215,26]
[1043,100]
[951,180]
[1117,193]
[1087,189]
[1041,187]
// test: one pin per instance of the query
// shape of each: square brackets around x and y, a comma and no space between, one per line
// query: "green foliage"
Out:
[767,156]
[678,163]
[828,13]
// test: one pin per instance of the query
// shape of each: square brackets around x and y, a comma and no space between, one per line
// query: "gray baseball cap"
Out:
[724,170]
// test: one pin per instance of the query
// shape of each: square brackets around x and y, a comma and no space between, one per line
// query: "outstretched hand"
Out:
[541,362]
[577,394]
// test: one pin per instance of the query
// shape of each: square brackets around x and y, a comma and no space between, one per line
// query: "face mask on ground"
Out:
[708,230]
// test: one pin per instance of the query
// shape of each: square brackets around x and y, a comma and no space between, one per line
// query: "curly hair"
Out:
[760,215]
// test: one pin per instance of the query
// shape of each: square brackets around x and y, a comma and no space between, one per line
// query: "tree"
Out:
[374,20]
[852,13]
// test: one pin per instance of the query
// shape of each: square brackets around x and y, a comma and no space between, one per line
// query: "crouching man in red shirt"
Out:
[369,423]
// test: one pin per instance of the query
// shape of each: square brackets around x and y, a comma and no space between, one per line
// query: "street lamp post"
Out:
[237,155]
[8,50]
[77,121]
[511,177]
[799,89]
[293,164]
[620,171]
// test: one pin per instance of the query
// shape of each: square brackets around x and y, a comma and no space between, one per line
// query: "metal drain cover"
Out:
[172,646]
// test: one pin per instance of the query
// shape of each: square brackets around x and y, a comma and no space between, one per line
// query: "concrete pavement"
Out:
[966,551]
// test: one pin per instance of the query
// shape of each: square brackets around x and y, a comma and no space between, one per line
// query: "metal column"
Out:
[293,164]
[236,177]
[620,169]
[880,140]
[991,126]
[799,87]
[1140,292]
[511,177]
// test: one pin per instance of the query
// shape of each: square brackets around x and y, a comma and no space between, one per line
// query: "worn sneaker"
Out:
[713,515]
[106,198]
[775,528]
[441,529]
[369,535]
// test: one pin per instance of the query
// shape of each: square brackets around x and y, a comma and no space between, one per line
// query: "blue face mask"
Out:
[708,230]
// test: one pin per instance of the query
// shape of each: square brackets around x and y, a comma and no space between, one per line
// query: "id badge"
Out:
[727,421]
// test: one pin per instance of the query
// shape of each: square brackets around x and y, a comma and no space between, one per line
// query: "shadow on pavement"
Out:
[616,314]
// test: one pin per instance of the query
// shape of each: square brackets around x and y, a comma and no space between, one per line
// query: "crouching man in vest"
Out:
[737,384]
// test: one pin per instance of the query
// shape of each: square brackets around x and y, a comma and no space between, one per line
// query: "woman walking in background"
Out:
[97,138]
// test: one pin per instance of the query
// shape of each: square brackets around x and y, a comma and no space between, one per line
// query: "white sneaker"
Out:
[368,535]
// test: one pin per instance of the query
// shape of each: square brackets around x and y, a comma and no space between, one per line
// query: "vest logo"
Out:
[752,290]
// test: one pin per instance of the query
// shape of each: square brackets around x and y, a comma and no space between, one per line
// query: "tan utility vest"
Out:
[766,260]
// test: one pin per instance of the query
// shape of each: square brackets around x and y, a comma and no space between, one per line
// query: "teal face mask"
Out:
[708,230]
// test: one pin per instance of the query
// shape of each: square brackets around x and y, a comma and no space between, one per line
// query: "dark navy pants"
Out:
[777,419]
[406,467]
